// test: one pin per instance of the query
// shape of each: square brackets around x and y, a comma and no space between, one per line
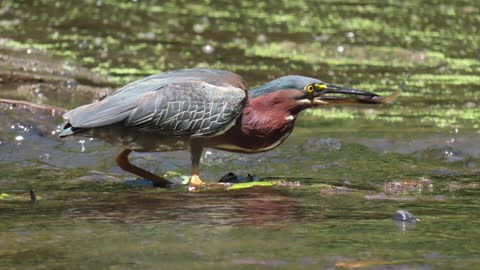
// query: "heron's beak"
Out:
[343,95]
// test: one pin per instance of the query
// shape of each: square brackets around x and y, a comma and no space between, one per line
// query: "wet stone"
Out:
[404,216]
[442,153]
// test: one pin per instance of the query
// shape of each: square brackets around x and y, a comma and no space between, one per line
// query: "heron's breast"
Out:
[256,136]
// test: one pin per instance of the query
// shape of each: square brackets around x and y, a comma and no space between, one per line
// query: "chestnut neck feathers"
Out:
[265,123]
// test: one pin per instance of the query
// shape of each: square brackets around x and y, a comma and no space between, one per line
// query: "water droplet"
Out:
[19,138]
[350,35]
[208,49]
[29,51]
[340,49]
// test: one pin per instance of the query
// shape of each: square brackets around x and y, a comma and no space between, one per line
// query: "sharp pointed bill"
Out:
[319,94]
[343,95]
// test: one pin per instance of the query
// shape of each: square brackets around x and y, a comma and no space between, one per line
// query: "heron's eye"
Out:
[309,88]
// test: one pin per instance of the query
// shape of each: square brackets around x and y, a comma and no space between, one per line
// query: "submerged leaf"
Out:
[4,196]
[362,264]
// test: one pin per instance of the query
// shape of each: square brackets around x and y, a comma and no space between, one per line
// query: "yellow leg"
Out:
[122,161]
[195,180]
[196,149]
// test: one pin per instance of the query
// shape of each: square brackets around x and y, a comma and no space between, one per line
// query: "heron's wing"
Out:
[115,107]
[119,105]
[188,109]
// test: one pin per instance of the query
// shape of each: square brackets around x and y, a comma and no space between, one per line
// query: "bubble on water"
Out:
[262,38]
[322,38]
[82,145]
[29,51]
[147,35]
[71,84]
[59,128]
[198,28]
[19,138]
[208,49]
[350,35]
[340,49]
[98,41]
[470,105]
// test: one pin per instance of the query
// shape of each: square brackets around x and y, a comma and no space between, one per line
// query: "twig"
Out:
[52,109]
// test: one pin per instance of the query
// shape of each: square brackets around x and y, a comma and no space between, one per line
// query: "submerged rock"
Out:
[233,178]
[404,216]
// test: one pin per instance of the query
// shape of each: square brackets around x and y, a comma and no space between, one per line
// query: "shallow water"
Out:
[421,153]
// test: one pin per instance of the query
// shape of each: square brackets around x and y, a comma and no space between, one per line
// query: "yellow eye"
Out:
[309,88]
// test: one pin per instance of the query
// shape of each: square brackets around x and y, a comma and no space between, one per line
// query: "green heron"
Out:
[203,108]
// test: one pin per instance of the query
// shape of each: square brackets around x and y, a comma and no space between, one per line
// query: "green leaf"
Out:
[251,184]
[4,196]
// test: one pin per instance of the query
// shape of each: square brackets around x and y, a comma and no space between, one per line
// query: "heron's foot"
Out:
[195,181]
[196,184]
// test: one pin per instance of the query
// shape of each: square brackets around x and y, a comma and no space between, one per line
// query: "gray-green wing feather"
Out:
[192,108]
[192,102]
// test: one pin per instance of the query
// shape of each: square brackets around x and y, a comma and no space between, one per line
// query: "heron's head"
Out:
[308,92]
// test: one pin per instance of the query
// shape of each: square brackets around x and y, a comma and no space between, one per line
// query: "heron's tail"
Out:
[69,130]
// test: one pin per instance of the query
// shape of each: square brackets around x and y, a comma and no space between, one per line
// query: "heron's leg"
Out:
[196,149]
[122,161]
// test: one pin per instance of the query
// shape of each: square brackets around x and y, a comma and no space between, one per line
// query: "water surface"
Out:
[421,153]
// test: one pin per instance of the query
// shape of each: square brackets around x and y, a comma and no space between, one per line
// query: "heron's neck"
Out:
[264,124]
